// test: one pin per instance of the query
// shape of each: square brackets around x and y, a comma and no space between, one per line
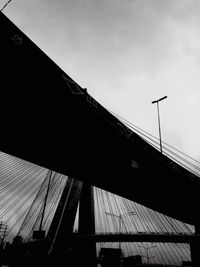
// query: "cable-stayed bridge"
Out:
[22,206]
[51,121]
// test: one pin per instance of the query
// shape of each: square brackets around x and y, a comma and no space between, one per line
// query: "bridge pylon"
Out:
[61,244]
[86,225]
[195,248]
[61,229]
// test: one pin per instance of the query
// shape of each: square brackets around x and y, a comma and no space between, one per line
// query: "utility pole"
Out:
[121,217]
[147,252]
[157,102]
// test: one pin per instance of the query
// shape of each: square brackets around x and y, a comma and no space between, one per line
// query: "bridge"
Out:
[171,238]
[55,128]
[137,237]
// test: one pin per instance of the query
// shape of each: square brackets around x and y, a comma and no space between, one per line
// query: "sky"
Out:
[127,54]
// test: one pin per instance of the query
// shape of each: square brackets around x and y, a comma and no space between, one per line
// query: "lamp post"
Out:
[147,252]
[157,102]
[121,217]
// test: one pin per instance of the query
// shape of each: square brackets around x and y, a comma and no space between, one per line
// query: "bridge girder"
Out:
[135,237]
[47,119]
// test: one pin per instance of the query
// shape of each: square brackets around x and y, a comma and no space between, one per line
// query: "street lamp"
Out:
[121,217]
[157,102]
[147,251]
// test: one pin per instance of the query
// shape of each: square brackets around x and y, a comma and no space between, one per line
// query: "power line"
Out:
[155,144]
[128,122]
[5,5]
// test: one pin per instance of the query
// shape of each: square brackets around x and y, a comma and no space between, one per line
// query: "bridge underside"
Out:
[47,119]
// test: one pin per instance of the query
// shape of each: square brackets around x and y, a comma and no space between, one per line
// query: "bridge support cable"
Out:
[55,190]
[16,185]
[33,217]
[115,204]
[55,194]
[184,160]
[146,220]
[19,182]
[21,209]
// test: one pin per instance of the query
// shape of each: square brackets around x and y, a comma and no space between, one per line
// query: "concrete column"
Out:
[87,250]
[60,232]
[195,248]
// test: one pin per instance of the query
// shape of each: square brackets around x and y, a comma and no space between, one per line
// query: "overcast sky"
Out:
[127,53]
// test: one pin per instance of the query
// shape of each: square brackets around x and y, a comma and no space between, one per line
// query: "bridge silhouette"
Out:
[137,237]
[49,120]
[167,234]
